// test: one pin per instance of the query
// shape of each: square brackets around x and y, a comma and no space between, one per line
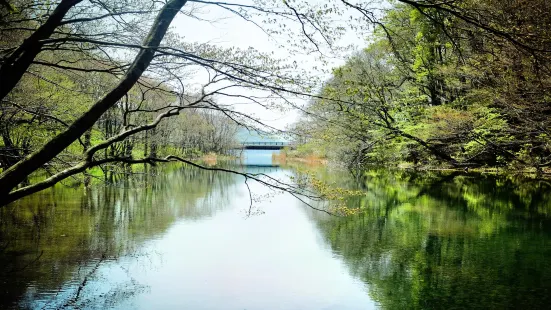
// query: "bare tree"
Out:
[97,45]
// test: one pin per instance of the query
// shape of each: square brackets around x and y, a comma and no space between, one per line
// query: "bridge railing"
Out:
[265,143]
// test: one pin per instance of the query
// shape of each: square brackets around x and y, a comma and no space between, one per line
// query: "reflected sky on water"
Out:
[180,238]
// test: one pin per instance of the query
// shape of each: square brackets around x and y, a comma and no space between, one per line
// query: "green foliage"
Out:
[336,196]
[427,91]
[42,105]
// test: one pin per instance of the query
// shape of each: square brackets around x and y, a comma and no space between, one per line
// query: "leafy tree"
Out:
[462,82]
[120,82]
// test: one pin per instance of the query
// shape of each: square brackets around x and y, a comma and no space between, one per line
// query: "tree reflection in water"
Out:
[447,240]
[51,241]
[423,240]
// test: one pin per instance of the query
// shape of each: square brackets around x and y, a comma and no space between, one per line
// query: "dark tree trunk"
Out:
[20,60]
[11,177]
[9,155]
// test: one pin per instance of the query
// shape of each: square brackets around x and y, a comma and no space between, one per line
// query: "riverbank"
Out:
[314,160]
[310,160]
[545,173]
[212,159]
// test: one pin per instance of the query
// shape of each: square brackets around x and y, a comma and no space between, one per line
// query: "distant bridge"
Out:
[263,145]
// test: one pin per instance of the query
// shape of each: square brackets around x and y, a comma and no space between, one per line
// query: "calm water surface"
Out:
[182,238]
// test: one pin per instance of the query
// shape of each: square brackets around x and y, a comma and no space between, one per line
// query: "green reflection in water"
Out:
[424,240]
[48,237]
[448,241]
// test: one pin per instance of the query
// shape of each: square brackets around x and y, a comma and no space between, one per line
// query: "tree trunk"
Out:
[11,177]
[20,60]
[10,155]
[153,145]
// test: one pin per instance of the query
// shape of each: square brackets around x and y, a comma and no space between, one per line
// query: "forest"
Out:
[75,96]
[465,85]
[408,161]
[95,84]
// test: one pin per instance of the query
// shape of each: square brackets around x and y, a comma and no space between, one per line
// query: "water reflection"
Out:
[179,238]
[448,241]
[172,239]
[47,238]
[258,158]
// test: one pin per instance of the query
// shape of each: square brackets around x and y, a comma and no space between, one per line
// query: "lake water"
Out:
[183,238]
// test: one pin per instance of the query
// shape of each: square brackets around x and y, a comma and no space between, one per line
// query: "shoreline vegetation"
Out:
[295,157]
[285,157]
[435,91]
[211,159]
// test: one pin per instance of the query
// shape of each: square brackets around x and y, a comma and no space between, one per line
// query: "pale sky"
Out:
[228,30]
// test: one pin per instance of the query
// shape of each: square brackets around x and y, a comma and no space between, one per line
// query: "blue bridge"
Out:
[263,145]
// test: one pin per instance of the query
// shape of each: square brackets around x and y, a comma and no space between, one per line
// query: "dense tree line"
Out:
[465,83]
[89,83]
[41,107]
